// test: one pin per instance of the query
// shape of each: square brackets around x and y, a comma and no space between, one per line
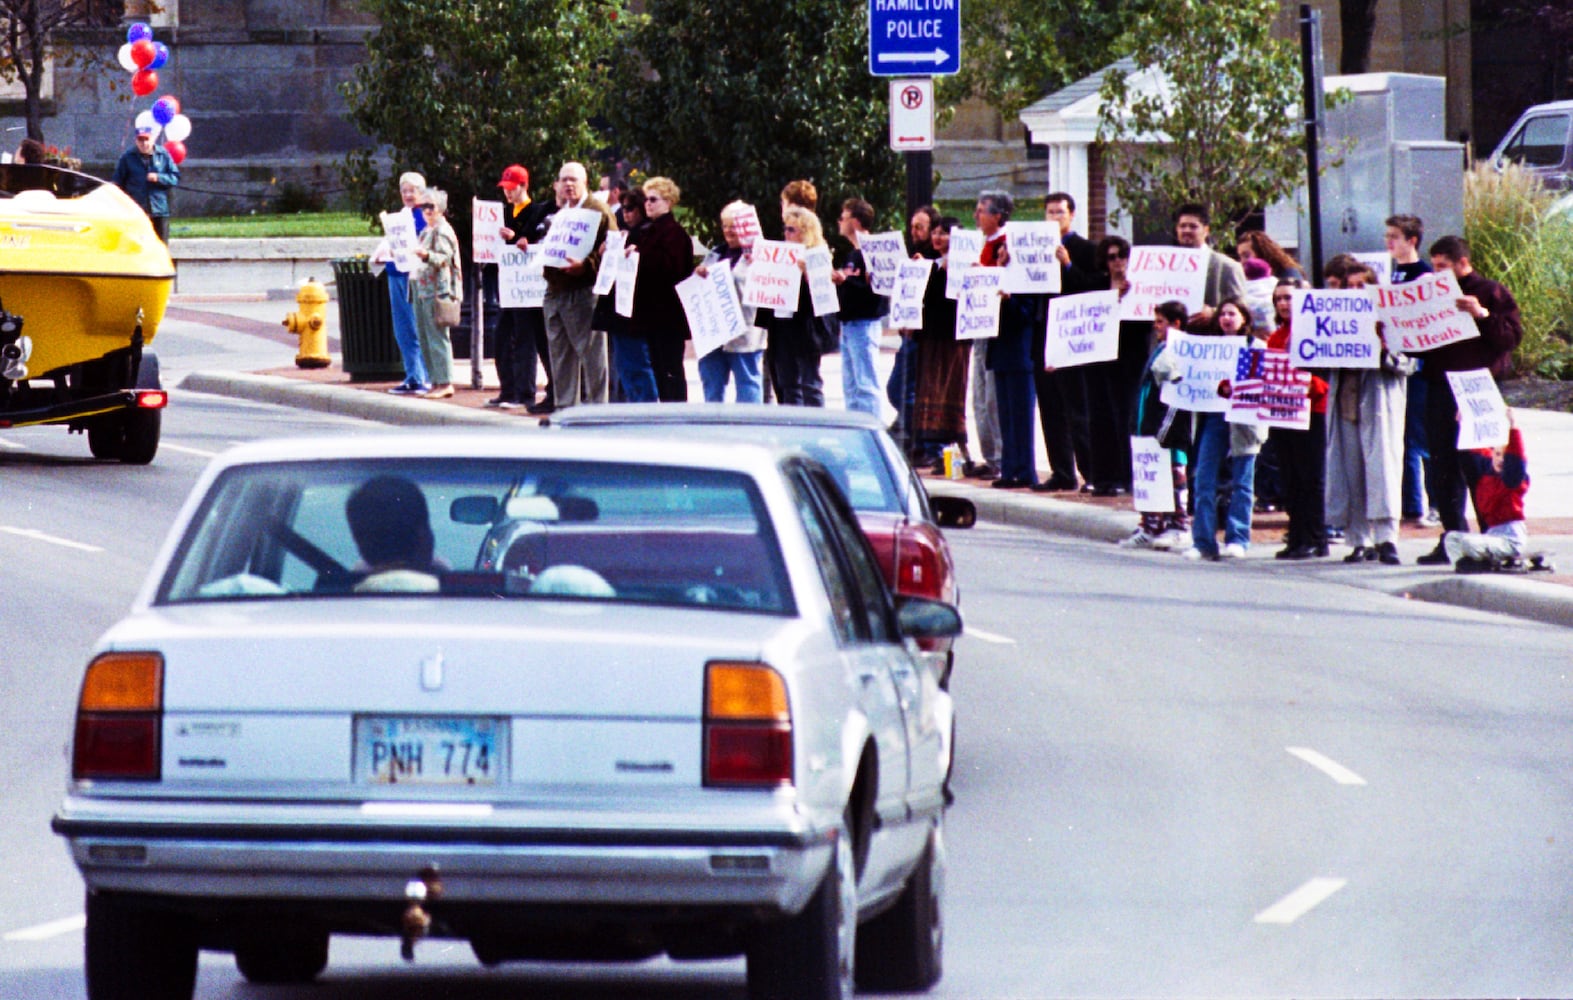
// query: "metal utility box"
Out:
[1396,160]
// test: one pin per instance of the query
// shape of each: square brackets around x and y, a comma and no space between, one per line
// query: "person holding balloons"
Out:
[146,172]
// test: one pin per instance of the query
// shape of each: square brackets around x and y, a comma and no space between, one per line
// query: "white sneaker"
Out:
[1172,538]
[1234,550]
[1193,553]
[1138,539]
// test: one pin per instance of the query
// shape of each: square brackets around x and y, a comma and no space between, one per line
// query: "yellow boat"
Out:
[84,282]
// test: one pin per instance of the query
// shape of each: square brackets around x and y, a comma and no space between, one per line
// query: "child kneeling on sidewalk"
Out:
[1498,479]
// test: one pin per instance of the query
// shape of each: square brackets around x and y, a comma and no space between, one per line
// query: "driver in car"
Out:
[392,529]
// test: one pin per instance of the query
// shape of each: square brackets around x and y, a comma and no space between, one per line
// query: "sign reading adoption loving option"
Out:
[1204,362]
[1423,314]
[1334,328]
[714,314]
[521,282]
[1082,329]
[1158,274]
[773,276]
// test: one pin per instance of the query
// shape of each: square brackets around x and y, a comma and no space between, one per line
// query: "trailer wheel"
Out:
[141,433]
[105,437]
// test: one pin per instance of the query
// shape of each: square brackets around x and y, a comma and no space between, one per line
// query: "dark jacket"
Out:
[1011,351]
[857,298]
[131,177]
[802,333]
[1500,332]
[666,256]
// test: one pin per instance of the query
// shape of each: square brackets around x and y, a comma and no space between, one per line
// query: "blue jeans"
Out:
[718,366]
[1212,449]
[404,332]
[1015,397]
[902,389]
[859,348]
[631,361]
[1417,456]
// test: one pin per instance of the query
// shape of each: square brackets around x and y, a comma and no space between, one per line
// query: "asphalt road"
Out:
[1173,779]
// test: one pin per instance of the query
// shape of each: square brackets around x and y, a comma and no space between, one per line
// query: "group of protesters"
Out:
[1380,445]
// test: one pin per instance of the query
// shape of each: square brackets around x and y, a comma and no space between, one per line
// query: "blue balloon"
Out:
[165,110]
[160,56]
[137,32]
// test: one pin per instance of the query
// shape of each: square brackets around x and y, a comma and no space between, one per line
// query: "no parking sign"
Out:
[912,114]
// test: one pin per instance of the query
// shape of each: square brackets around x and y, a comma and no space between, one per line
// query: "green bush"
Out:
[1513,239]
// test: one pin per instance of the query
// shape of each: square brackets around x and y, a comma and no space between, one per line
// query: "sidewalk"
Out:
[252,358]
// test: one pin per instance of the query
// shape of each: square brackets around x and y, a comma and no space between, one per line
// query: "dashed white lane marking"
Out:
[187,451]
[53,929]
[39,536]
[998,640]
[1327,766]
[1300,902]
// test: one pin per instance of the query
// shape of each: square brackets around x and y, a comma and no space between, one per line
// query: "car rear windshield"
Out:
[644,534]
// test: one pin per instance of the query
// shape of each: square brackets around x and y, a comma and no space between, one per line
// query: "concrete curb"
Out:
[344,402]
[1508,595]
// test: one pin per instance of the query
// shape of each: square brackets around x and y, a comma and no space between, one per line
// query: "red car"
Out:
[901,520]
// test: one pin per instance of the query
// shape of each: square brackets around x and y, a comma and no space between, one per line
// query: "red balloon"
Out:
[143,53]
[176,151]
[144,82]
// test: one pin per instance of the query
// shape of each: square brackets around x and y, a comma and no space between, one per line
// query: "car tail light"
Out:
[920,569]
[152,399]
[748,726]
[118,718]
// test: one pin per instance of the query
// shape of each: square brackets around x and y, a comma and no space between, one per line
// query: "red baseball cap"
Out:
[514,176]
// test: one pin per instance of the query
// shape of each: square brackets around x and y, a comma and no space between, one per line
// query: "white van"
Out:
[1541,142]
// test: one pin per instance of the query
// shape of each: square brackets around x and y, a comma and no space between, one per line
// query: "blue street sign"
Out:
[914,37]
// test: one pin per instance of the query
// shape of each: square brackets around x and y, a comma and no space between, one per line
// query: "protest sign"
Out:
[1423,314]
[773,277]
[883,253]
[1152,476]
[966,246]
[486,240]
[1334,328]
[906,306]
[1380,264]
[745,224]
[611,260]
[1204,362]
[978,309]
[521,279]
[714,314]
[1082,329]
[627,276]
[400,239]
[1268,392]
[572,236]
[1033,268]
[1482,415]
[821,290]
[1158,274]
[1259,299]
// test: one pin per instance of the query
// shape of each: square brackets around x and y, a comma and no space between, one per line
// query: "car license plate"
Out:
[430,750]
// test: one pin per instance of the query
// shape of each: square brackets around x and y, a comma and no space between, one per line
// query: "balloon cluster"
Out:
[143,58]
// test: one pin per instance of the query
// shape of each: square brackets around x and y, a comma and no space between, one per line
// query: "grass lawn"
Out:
[263,226]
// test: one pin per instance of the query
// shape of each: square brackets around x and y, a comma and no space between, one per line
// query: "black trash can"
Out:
[370,353]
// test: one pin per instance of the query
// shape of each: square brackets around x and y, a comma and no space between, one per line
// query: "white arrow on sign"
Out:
[937,56]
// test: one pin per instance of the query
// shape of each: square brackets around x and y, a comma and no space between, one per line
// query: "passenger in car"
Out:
[391,526]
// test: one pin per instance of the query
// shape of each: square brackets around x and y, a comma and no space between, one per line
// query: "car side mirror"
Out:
[953,512]
[921,618]
[473,510]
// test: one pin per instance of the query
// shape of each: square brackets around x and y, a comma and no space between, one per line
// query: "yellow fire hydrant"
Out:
[309,322]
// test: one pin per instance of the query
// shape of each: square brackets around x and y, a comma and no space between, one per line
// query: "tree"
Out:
[1222,126]
[458,89]
[1015,51]
[30,28]
[732,107]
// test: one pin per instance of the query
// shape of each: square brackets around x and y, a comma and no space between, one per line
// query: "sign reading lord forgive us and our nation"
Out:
[1082,329]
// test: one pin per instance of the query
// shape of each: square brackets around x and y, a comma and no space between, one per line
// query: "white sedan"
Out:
[562,697]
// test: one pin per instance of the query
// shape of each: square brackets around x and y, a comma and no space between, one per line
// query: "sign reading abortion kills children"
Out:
[1152,476]
[883,252]
[1204,362]
[966,248]
[906,306]
[1334,329]
[978,309]
[1423,314]
[1482,415]
[1082,329]
[1033,268]
[1158,274]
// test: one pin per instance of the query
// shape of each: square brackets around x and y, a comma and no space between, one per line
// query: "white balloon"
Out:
[178,129]
[145,119]
[124,56]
